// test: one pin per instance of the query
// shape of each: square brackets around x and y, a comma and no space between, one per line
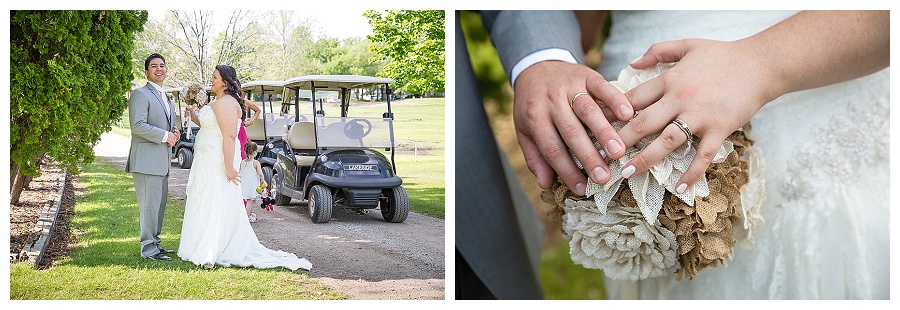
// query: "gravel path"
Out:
[360,255]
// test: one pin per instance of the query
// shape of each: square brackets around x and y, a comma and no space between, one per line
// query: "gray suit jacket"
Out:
[149,125]
[516,34]
[498,233]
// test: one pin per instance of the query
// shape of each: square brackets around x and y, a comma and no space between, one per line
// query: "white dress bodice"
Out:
[826,166]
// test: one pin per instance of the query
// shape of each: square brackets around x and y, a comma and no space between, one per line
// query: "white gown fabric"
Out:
[826,165]
[215,228]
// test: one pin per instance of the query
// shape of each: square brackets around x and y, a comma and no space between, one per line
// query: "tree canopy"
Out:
[70,71]
[413,43]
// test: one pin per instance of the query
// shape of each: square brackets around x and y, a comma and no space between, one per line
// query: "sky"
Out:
[341,24]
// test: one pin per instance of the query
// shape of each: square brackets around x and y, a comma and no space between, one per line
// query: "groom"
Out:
[153,133]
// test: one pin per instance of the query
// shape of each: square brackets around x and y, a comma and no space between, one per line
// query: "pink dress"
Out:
[242,138]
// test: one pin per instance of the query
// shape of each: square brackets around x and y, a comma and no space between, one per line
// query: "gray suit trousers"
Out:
[151,193]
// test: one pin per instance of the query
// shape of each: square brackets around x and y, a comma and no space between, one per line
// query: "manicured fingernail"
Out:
[613,146]
[628,171]
[625,111]
[636,59]
[600,174]
[681,188]
[579,189]
[602,154]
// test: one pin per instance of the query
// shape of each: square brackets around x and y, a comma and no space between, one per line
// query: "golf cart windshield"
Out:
[340,132]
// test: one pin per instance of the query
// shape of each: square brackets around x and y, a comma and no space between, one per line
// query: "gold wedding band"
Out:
[684,128]
[572,103]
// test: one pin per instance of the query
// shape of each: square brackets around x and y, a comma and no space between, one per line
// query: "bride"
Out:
[215,228]
[819,111]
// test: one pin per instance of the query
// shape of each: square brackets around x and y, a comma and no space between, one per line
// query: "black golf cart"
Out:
[336,160]
[183,150]
[271,127]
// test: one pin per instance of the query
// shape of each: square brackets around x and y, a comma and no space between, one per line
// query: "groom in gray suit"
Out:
[153,133]
[498,233]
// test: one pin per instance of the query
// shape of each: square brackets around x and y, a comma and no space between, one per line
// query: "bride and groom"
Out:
[215,230]
[812,84]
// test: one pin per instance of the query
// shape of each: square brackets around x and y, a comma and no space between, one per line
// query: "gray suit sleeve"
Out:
[517,34]
[138,112]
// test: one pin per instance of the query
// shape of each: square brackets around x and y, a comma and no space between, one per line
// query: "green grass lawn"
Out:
[106,263]
[564,280]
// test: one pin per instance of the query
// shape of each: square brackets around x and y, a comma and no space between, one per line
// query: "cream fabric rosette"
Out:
[630,243]
[618,241]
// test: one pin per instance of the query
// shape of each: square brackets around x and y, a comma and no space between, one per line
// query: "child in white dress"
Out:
[251,177]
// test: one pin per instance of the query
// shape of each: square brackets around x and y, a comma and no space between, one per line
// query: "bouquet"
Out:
[642,228]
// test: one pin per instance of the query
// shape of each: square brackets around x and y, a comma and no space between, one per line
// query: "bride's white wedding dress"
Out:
[826,166]
[215,228]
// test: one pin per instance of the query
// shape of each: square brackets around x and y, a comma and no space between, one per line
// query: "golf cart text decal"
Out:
[361,167]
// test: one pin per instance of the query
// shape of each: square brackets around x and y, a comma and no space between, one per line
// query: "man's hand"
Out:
[171,138]
[548,124]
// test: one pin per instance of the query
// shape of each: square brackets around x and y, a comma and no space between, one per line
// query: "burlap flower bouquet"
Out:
[640,227]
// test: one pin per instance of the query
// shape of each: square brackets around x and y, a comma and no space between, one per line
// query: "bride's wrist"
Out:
[768,79]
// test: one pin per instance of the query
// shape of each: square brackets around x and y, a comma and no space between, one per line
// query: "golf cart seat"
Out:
[276,124]
[256,131]
[302,138]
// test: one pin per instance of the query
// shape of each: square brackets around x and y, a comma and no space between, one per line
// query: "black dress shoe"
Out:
[161,250]
[160,256]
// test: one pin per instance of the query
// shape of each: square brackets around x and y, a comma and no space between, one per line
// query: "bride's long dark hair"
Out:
[233,86]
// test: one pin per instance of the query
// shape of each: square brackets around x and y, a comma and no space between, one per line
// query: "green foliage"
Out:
[485,62]
[413,42]
[69,74]
[563,280]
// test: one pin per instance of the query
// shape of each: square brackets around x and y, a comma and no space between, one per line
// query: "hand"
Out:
[547,126]
[715,88]
[171,138]
[248,122]
[233,175]
[176,131]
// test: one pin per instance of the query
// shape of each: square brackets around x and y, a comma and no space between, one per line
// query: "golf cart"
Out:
[268,131]
[336,160]
[183,151]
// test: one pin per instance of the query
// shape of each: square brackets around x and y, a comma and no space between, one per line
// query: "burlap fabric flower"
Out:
[195,95]
[624,228]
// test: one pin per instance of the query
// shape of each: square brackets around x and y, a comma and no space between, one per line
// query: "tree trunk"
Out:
[16,186]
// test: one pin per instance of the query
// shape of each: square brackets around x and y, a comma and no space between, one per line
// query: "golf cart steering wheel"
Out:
[357,128]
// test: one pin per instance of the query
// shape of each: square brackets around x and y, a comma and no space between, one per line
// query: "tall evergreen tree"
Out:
[69,75]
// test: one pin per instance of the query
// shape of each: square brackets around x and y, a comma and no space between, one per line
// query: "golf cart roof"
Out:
[335,82]
[269,87]
[173,89]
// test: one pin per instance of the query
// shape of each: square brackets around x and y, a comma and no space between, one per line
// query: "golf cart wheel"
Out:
[185,158]
[397,208]
[280,199]
[320,203]
[267,175]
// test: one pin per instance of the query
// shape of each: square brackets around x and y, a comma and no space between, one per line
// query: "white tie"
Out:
[166,101]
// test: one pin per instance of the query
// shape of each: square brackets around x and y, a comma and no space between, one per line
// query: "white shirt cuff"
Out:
[539,56]
[165,137]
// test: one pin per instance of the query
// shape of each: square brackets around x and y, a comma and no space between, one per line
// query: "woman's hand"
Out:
[715,88]
[248,122]
[549,124]
[233,175]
